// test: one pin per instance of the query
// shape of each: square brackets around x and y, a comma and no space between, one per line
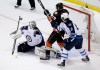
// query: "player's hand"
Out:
[47,13]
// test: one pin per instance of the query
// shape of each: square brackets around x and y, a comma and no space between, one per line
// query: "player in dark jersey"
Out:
[55,36]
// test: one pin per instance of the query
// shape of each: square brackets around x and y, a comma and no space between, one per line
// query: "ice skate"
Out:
[45,58]
[32,8]
[62,63]
[17,6]
[47,55]
[85,59]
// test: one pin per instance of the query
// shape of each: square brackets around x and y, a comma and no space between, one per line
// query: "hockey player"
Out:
[75,39]
[32,4]
[54,36]
[33,37]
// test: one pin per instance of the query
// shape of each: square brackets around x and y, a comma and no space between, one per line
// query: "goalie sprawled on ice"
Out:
[34,39]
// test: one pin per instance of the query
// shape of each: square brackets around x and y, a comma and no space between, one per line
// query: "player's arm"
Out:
[51,20]
[17,34]
[48,14]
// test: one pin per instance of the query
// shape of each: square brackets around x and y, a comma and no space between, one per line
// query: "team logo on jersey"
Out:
[28,38]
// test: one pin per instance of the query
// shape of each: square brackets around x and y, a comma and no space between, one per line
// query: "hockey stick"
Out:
[41,4]
[43,7]
[14,44]
[47,13]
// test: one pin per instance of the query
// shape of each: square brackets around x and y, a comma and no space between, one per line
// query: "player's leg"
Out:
[60,42]
[64,56]
[68,46]
[32,4]
[81,50]
[52,38]
[18,3]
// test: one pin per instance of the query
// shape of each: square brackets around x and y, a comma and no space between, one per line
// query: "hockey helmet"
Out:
[59,6]
[32,24]
[64,16]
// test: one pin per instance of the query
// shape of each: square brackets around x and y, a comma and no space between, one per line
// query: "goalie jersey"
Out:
[33,36]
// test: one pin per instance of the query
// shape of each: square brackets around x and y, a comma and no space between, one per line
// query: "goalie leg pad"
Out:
[39,51]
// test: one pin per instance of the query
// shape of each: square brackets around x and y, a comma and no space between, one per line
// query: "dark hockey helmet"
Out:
[59,6]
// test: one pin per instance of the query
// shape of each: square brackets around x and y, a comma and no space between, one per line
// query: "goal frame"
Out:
[89,23]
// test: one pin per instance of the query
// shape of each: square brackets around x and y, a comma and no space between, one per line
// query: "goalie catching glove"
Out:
[16,34]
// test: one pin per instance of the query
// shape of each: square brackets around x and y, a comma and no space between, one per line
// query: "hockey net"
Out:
[83,17]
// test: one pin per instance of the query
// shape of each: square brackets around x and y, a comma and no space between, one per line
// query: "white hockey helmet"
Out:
[32,24]
[64,16]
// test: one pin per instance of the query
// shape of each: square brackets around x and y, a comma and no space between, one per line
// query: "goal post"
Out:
[70,8]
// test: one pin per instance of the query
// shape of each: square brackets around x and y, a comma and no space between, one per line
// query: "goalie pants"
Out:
[24,47]
[77,43]
[32,3]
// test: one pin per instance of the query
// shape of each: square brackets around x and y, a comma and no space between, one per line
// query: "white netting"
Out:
[82,21]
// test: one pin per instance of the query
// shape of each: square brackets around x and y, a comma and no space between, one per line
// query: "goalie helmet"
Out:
[59,6]
[32,24]
[64,16]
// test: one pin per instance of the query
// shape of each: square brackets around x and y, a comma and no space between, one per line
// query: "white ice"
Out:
[28,61]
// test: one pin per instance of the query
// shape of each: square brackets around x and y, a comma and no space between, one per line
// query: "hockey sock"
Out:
[82,52]
[64,54]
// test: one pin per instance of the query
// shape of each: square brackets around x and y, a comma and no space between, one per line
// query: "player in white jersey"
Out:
[33,37]
[75,38]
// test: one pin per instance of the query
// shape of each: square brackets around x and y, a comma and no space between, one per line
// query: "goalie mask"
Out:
[32,24]
[59,6]
[64,16]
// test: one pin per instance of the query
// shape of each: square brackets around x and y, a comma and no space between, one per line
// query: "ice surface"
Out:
[28,61]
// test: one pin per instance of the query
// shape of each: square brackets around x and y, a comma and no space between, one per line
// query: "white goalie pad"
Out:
[39,51]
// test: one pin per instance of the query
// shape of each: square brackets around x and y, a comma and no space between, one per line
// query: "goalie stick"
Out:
[14,44]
